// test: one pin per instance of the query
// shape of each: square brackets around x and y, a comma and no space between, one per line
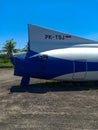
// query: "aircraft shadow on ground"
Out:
[55,87]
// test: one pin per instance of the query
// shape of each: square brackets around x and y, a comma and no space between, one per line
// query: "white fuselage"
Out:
[85,55]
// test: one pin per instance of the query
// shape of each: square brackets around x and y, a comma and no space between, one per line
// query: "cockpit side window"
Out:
[43,57]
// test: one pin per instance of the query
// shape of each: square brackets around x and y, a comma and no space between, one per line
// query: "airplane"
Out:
[57,56]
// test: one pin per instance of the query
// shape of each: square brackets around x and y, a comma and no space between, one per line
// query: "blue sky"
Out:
[78,17]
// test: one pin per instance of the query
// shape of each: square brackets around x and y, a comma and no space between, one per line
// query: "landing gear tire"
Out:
[25,81]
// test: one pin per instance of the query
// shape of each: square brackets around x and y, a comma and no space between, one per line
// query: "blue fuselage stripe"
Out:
[50,68]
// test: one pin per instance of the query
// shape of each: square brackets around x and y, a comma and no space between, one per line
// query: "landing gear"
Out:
[25,81]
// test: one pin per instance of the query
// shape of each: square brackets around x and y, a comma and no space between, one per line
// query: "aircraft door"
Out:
[79,69]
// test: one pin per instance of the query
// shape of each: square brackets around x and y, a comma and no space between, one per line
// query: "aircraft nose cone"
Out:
[12,60]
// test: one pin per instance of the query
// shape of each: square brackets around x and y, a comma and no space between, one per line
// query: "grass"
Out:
[5,62]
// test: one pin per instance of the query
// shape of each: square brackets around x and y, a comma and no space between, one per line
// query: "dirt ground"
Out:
[47,105]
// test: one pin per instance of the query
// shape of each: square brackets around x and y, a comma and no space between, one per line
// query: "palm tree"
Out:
[9,47]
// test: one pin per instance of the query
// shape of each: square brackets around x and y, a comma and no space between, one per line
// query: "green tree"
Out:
[9,47]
